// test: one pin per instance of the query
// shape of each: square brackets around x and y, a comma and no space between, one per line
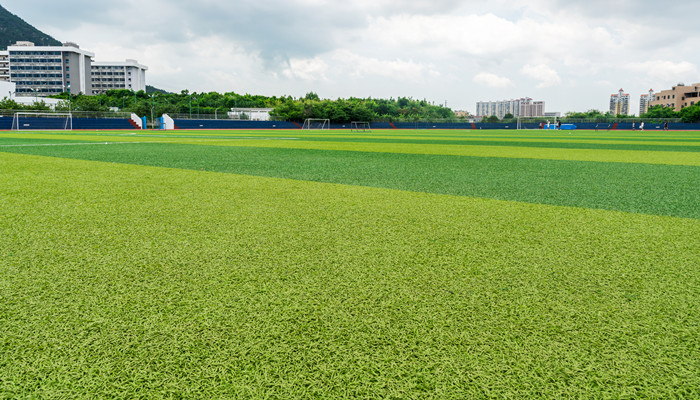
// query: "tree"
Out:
[508,116]
[311,96]
[660,112]
[690,114]
[491,120]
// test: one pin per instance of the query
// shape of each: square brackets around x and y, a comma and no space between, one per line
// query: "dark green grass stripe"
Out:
[640,188]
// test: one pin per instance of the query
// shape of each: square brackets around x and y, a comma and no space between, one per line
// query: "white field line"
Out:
[74,144]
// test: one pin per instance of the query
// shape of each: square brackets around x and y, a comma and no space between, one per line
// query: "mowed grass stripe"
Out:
[626,156]
[639,188]
[139,282]
[436,137]
[557,144]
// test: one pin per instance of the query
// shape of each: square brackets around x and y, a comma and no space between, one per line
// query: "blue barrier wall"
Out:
[118,124]
[232,124]
[5,123]
[58,123]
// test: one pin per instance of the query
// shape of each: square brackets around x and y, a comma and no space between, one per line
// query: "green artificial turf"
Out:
[643,188]
[302,140]
[128,281]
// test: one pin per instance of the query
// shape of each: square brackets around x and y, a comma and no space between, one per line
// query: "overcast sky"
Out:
[571,54]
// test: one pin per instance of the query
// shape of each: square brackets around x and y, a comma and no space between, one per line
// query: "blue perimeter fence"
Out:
[240,124]
[45,123]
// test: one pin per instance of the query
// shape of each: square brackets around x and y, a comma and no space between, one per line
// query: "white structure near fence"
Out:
[252,114]
[168,122]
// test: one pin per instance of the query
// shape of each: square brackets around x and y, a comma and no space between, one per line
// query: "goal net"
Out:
[38,121]
[360,127]
[537,123]
[316,124]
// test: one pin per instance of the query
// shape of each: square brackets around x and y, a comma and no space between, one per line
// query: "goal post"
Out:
[316,124]
[42,121]
[360,126]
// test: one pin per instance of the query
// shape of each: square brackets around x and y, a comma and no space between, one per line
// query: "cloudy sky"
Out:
[571,54]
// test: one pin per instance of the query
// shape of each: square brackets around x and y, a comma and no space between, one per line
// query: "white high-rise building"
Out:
[620,103]
[48,70]
[525,107]
[127,74]
[645,100]
[4,66]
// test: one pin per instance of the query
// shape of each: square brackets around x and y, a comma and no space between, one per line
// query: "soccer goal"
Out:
[357,126]
[537,123]
[40,121]
[316,124]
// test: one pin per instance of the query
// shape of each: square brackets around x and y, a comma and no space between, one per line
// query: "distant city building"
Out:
[40,71]
[645,100]
[4,66]
[127,74]
[553,114]
[531,108]
[462,114]
[525,107]
[620,103]
[678,97]
[48,70]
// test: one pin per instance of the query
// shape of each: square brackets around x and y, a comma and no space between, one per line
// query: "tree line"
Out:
[213,103]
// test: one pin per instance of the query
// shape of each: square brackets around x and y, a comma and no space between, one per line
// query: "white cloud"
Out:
[435,49]
[311,69]
[492,80]
[543,73]
[666,71]
[360,66]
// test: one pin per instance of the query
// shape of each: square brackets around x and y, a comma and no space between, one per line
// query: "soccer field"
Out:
[393,264]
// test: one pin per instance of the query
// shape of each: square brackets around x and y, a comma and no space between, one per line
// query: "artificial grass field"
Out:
[397,264]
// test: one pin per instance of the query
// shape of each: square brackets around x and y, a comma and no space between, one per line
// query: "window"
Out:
[67,76]
[67,60]
[67,68]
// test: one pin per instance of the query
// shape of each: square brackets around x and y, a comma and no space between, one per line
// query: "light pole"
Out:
[153,106]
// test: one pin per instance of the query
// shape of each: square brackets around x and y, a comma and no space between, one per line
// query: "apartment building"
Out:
[128,75]
[620,103]
[47,70]
[4,66]
[525,107]
[531,108]
[645,100]
[678,97]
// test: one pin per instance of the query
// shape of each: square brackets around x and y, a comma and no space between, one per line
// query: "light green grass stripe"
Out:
[627,156]
[143,282]
[531,137]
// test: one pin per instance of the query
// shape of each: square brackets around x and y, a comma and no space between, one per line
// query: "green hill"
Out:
[14,28]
